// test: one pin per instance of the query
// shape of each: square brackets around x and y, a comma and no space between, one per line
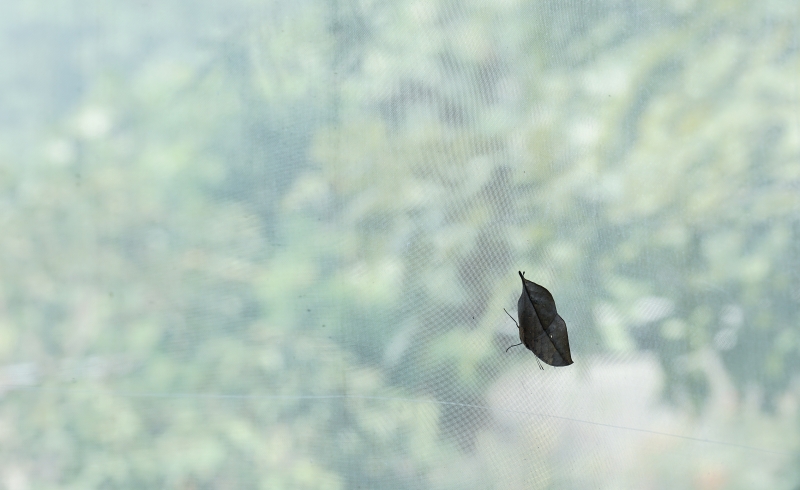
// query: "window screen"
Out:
[269,244]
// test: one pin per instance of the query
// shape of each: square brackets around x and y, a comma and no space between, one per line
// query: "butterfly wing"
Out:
[542,329]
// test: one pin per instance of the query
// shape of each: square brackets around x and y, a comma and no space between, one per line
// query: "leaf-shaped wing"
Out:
[541,328]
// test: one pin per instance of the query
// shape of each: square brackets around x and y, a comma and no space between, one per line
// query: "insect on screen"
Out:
[268,244]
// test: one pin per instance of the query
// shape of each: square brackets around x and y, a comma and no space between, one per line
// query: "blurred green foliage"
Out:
[213,214]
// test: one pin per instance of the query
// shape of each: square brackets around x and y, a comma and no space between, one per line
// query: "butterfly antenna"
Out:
[540,364]
[510,346]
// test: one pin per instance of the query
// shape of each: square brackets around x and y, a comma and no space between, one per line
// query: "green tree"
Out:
[647,171]
[152,334]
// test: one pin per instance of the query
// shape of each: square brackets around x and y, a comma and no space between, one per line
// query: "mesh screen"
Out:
[270,244]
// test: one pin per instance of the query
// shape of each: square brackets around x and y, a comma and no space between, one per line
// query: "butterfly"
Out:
[541,328]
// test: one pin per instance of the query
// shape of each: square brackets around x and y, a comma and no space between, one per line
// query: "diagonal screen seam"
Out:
[234,396]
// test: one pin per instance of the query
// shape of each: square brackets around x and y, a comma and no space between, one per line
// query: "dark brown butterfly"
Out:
[541,328]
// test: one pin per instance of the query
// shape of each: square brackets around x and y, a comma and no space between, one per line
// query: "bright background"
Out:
[268,244]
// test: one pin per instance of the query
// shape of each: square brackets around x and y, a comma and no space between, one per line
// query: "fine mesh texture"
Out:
[270,244]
